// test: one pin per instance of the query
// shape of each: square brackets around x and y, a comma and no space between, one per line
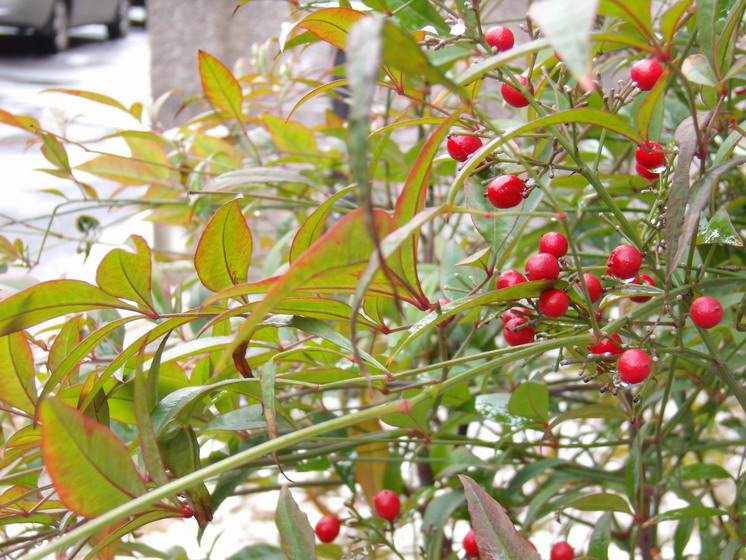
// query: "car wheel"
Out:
[121,24]
[55,35]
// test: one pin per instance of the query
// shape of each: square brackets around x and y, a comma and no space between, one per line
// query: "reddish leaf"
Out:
[496,535]
[91,96]
[128,275]
[220,86]
[29,124]
[90,466]
[224,250]
[64,343]
[314,225]
[124,170]
[48,300]
[331,24]
[17,372]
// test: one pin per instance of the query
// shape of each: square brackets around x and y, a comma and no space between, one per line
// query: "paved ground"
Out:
[117,68]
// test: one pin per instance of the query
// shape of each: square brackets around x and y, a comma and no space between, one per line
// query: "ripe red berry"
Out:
[542,267]
[515,312]
[553,303]
[500,38]
[515,336]
[645,73]
[509,278]
[327,528]
[514,97]
[553,243]
[562,551]
[634,366]
[706,312]
[643,278]
[610,344]
[650,156]
[461,147]
[387,504]
[505,191]
[595,290]
[624,262]
[470,545]
[646,173]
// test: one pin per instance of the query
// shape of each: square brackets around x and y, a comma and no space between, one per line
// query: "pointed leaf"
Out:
[48,300]
[90,466]
[17,372]
[591,411]
[700,471]
[90,95]
[64,343]
[290,136]
[220,86]
[601,538]
[697,70]
[601,502]
[314,226]
[719,230]
[530,400]
[567,24]
[128,275]
[331,24]
[651,105]
[688,512]
[122,169]
[496,535]
[258,177]
[296,536]
[125,528]
[634,12]
[224,251]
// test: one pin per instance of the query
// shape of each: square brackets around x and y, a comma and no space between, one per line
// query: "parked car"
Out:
[51,20]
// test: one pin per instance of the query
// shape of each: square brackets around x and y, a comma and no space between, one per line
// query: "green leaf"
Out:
[314,226]
[48,300]
[224,250]
[688,512]
[296,535]
[220,86]
[683,533]
[601,502]
[55,152]
[672,19]
[125,528]
[331,24]
[258,552]
[634,12]
[128,275]
[437,514]
[530,400]
[567,24]
[496,535]
[601,538]
[91,96]
[64,343]
[124,170]
[697,70]
[706,22]
[719,230]
[591,411]
[17,372]
[500,229]
[90,467]
[258,176]
[290,136]
[699,471]
[651,106]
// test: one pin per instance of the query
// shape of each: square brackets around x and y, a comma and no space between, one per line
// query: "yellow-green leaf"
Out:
[90,466]
[224,250]
[128,275]
[17,372]
[220,86]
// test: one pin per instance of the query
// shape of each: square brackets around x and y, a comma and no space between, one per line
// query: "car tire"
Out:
[121,24]
[55,35]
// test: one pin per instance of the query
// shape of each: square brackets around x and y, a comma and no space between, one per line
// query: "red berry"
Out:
[595,290]
[553,303]
[542,267]
[509,278]
[643,278]
[327,528]
[500,38]
[470,545]
[624,262]
[706,312]
[610,344]
[650,156]
[553,243]
[512,96]
[515,312]
[562,551]
[505,191]
[646,173]
[387,504]
[515,336]
[645,73]
[634,366]
[461,147]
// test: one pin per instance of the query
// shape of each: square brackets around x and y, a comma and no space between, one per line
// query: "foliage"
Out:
[356,340]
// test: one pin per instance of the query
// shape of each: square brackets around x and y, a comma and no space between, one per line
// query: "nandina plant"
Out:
[347,318]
